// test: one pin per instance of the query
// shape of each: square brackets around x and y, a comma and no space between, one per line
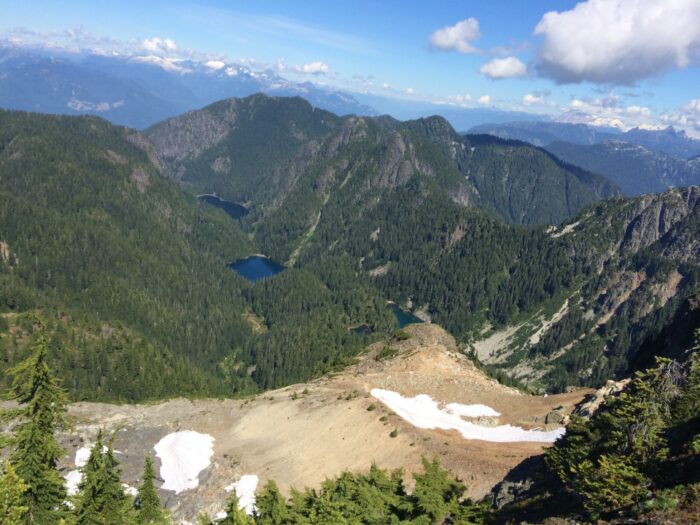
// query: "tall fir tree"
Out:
[234,514]
[436,493]
[149,511]
[36,452]
[12,488]
[272,509]
[101,499]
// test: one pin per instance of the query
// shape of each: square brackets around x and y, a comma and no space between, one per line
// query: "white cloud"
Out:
[618,42]
[686,118]
[169,64]
[386,86]
[458,100]
[410,91]
[458,37]
[159,45]
[608,111]
[503,68]
[313,68]
[693,107]
[484,100]
[532,100]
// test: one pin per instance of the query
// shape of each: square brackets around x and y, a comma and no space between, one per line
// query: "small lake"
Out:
[256,267]
[235,210]
[403,317]
[363,329]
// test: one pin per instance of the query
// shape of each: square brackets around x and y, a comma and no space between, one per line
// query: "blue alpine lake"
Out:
[256,267]
[403,317]
[235,210]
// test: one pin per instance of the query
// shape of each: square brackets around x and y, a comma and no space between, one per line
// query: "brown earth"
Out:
[302,434]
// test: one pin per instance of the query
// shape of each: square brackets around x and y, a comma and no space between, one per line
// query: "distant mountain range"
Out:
[138,91]
[669,141]
[634,168]
[639,161]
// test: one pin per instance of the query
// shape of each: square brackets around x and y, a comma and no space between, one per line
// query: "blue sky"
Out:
[622,63]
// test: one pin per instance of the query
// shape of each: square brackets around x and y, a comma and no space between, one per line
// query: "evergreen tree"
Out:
[101,498]
[436,493]
[272,509]
[42,404]
[12,488]
[686,411]
[149,510]
[234,514]
[611,461]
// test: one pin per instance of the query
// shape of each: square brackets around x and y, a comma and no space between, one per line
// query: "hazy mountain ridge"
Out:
[138,91]
[544,133]
[634,168]
[669,141]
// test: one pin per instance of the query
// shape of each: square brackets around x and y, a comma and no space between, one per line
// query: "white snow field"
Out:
[129,490]
[471,410]
[73,479]
[422,412]
[245,490]
[82,455]
[183,456]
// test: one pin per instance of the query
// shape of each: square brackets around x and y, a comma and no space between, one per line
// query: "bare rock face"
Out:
[653,216]
[593,403]
[185,137]
[142,142]
[555,417]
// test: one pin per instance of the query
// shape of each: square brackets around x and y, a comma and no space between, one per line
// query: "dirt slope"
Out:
[304,433]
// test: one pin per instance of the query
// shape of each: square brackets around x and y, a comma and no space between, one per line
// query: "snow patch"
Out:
[245,490]
[183,456]
[471,410]
[81,456]
[73,479]
[129,490]
[422,412]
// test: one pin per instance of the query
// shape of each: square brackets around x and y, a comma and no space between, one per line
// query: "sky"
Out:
[617,62]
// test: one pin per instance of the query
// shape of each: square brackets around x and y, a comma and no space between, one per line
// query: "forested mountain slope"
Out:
[286,159]
[640,274]
[131,275]
[91,229]
[404,203]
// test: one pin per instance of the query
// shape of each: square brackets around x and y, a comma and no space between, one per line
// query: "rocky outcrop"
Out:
[591,405]
[186,136]
[142,142]
[656,215]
